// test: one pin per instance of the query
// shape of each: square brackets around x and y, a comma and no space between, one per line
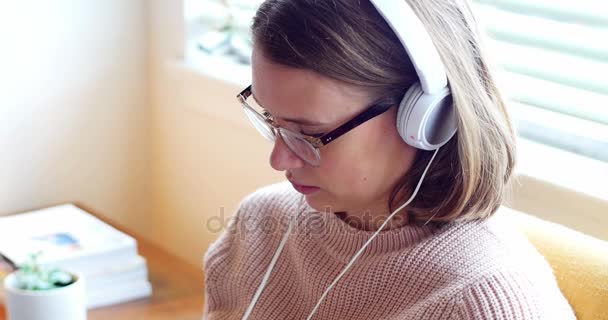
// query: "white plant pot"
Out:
[65,303]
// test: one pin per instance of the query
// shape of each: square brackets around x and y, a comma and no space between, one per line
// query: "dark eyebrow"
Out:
[299,121]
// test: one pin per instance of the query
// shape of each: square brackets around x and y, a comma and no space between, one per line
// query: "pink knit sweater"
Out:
[462,270]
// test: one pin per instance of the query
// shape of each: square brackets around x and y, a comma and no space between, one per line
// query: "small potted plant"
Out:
[37,292]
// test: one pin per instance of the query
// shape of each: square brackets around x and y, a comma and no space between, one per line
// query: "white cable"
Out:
[268,271]
[372,238]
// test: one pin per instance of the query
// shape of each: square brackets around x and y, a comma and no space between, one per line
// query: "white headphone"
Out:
[426,118]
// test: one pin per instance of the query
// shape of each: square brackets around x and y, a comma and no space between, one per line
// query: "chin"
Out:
[320,204]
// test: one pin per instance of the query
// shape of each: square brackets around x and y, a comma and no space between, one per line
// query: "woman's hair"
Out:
[348,40]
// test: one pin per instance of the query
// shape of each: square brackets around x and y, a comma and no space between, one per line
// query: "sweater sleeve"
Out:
[511,295]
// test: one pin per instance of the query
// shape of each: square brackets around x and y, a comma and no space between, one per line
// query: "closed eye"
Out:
[316,135]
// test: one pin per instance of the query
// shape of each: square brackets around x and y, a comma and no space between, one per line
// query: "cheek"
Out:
[362,160]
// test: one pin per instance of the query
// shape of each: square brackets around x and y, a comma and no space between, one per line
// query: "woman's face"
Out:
[359,169]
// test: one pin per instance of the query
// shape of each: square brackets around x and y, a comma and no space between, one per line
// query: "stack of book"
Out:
[72,239]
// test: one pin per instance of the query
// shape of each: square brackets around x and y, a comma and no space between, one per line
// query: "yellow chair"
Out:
[579,262]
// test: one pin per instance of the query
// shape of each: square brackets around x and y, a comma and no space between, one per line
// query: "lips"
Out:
[304,189]
[302,185]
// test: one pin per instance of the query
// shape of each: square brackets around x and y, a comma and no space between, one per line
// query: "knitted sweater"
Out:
[483,269]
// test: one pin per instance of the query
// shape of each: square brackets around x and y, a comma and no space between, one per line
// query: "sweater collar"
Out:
[342,240]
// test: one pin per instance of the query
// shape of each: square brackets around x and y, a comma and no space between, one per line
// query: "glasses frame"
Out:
[317,142]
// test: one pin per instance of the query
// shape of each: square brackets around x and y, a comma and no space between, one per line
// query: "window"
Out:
[220,27]
[554,63]
[552,53]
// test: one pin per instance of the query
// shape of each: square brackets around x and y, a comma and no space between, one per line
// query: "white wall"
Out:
[74,115]
[206,157]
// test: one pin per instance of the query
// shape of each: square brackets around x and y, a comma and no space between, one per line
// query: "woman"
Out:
[398,146]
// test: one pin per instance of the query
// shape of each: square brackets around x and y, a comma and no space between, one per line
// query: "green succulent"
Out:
[33,276]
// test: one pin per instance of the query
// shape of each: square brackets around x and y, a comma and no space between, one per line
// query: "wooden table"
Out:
[177,289]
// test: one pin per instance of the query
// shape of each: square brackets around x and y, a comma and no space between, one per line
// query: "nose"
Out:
[282,158]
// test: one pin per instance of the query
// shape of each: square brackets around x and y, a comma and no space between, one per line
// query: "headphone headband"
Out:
[416,41]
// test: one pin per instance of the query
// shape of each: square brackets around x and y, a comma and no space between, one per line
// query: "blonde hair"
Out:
[350,42]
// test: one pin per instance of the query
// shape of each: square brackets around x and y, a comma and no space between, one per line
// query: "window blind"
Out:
[554,57]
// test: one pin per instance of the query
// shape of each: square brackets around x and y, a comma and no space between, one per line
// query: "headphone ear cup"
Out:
[406,106]
[426,121]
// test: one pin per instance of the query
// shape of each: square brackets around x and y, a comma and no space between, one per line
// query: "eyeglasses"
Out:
[306,147]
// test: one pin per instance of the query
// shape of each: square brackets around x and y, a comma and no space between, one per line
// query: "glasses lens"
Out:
[259,122]
[301,147]
[296,144]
